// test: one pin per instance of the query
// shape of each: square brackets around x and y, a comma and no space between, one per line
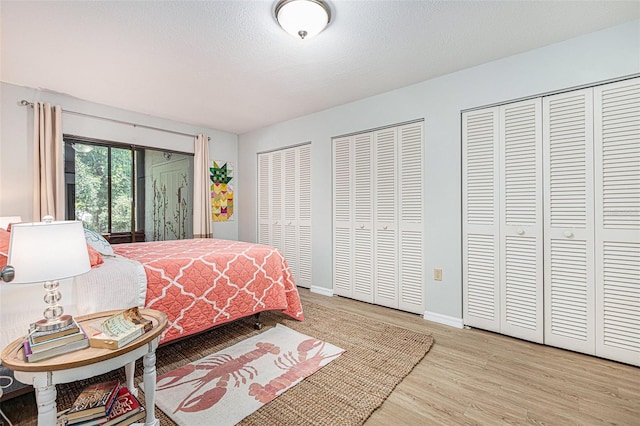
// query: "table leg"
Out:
[149,362]
[130,371]
[46,400]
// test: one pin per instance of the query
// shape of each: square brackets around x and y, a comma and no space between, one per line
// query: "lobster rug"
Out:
[227,386]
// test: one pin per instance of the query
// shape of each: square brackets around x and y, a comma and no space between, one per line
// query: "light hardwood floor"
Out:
[477,377]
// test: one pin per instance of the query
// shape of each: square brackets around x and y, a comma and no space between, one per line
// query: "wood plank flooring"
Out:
[477,377]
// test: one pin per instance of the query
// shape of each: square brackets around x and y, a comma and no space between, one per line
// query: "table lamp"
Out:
[46,252]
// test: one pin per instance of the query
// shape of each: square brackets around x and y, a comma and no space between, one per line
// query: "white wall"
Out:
[16,139]
[599,56]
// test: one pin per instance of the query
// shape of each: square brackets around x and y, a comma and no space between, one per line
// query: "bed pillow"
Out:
[98,242]
[5,236]
[94,256]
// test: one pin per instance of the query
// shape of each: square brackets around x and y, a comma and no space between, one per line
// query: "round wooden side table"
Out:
[89,362]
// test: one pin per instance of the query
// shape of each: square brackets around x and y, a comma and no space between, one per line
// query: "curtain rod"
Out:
[113,120]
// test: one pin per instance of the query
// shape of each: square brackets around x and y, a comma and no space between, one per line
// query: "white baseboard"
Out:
[322,290]
[444,319]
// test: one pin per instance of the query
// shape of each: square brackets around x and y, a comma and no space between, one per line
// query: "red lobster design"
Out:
[221,367]
[295,370]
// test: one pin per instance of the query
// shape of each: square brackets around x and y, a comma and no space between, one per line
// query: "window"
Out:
[127,192]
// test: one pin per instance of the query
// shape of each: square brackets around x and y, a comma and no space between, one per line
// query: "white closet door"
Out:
[385,220]
[264,203]
[617,158]
[521,274]
[342,221]
[480,225]
[290,210]
[304,216]
[568,230]
[411,202]
[363,231]
[277,219]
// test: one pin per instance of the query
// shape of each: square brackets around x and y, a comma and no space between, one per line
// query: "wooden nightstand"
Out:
[89,362]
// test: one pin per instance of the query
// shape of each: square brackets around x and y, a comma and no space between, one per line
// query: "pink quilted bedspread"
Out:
[200,283]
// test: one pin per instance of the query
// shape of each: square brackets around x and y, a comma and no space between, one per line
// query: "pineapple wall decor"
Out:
[221,190]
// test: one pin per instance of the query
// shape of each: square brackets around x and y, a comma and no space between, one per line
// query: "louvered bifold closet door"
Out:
[411,222]
[342,220]
[385,220]
[617,159]
[480,224]
[290,209]
[276,199]
[264,200]
[304,215]
[521,285]
[568,221]
[363,231]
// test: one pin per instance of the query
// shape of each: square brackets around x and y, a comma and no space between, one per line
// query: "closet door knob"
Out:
[568,234]
[520,231]
[361,226]
[384,227]
[289,223]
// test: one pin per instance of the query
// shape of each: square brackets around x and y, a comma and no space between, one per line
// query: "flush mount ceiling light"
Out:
[303,18]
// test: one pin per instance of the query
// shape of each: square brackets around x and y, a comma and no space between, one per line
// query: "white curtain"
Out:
[48,162]
[201,189]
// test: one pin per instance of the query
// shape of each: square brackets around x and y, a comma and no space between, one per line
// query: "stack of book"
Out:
[125,410]
[39,345]
[119,329]
[105,404]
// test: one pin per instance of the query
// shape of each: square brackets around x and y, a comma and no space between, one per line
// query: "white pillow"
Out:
[98,242]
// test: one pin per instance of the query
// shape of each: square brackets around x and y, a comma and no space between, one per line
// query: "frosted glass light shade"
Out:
[303,18]
[52,251]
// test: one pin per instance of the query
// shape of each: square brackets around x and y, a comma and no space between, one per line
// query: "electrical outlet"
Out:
[437,274]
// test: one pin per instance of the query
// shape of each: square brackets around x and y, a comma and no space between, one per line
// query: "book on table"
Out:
[67,347]
[43,336]
[119,329]
[125,319]
[94,401]
[106,341]
[43,345]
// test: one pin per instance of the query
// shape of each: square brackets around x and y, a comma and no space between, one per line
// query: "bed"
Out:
[198,283]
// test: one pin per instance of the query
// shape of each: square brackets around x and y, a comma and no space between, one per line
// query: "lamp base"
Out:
[54,324]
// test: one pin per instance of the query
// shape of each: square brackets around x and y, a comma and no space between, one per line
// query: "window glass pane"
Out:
[133,194]
[140,190]
[91,187]
[121,190]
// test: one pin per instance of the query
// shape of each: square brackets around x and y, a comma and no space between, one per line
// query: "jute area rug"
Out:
[345,392]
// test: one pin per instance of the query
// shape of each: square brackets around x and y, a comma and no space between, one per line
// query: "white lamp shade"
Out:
[6,220]
[48,251]
[298,16]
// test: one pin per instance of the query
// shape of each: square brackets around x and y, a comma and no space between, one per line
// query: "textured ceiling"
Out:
[227,65]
